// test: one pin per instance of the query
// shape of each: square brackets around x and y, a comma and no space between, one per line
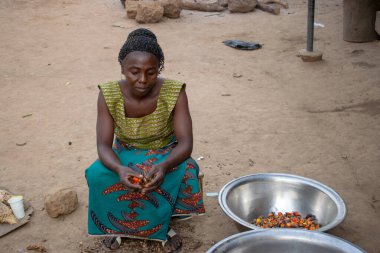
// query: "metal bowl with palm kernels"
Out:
[246,198]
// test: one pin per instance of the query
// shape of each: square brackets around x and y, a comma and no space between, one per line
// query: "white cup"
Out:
[17,205]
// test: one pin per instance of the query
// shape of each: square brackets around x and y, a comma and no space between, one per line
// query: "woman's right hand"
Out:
[126,174]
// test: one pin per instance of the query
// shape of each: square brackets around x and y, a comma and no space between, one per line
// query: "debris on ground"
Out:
[242,45]
[37,247]
[6,214]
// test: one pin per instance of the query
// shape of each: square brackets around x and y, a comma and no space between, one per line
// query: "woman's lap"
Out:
[113,209]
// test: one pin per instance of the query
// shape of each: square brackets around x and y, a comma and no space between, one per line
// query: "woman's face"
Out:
[141,70]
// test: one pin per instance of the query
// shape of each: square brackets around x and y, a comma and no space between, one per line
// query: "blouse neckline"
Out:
[145,116]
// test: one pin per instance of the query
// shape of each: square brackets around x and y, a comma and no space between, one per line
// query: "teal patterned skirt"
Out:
[115,210]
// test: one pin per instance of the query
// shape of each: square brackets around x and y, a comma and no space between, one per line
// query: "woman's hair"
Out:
[142,40]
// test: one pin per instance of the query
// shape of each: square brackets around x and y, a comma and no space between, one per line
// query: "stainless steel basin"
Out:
[248,197]
[284,241]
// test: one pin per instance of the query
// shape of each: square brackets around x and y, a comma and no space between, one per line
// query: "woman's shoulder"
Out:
[109,86]
[170,91]
[171,85]
[173,82]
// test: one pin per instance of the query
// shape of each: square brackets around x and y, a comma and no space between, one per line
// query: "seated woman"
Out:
[145,175]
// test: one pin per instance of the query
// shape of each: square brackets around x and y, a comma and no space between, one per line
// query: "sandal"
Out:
[173,240]
[111,243]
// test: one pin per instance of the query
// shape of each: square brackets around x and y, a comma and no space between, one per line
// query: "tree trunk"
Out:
[359,20]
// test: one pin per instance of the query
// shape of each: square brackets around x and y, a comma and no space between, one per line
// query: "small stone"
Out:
[241,6]
[62,202]
[172,8]
[149,12]
[308,56]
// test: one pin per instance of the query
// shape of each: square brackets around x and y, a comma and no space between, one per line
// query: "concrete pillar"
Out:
[359,20]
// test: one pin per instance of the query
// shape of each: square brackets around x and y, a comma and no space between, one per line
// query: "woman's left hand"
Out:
[155,176]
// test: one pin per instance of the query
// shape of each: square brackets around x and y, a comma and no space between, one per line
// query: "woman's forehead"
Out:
[140,58]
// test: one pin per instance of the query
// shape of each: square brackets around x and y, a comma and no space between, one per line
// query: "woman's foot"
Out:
[111,243]
[174,242]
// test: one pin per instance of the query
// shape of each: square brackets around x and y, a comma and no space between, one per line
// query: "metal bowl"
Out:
[246,198]
[285,241]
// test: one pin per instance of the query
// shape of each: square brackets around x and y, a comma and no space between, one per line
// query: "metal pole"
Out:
[310,25]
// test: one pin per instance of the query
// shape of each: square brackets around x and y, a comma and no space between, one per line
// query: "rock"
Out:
[62,202]
[149,12]
[131,9]
[377,23]
[241,5]
[172,8]
[307,56]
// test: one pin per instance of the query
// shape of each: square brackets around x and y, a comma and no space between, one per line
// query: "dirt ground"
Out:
[253,111]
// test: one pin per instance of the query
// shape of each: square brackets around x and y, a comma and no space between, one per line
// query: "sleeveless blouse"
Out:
[151,131]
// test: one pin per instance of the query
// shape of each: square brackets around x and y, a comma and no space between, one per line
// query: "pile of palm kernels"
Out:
[287,220]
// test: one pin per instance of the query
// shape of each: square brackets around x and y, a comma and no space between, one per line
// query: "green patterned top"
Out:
[152,131]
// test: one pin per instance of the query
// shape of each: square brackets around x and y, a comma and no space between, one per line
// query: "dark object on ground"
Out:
[242,45]
[123,2]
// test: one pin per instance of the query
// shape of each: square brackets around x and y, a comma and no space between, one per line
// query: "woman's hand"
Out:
[154,178]
[127,175]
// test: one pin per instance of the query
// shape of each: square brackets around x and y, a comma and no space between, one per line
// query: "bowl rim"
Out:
[297,232]
[341,206]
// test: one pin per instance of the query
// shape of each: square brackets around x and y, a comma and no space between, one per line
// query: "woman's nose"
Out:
[143,78]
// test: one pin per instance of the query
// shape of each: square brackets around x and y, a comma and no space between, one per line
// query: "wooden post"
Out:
[359,20]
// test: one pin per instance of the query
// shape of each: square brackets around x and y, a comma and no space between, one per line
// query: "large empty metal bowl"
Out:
[285,241]
[246,198]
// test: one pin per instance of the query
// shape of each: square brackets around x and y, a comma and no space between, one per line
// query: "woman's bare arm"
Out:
[104,140]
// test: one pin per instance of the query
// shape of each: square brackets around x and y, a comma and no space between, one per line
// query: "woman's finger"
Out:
[134,173]
[150,173]
[130,185]
[149,189]
[156,181]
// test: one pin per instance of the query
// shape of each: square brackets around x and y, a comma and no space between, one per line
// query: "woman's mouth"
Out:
[141,89]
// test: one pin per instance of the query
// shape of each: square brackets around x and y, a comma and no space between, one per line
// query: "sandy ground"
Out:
[319,120]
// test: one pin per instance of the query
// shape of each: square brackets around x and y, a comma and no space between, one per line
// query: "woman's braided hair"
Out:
[142,40]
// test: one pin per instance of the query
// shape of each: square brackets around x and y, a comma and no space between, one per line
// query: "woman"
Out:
[145,175]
